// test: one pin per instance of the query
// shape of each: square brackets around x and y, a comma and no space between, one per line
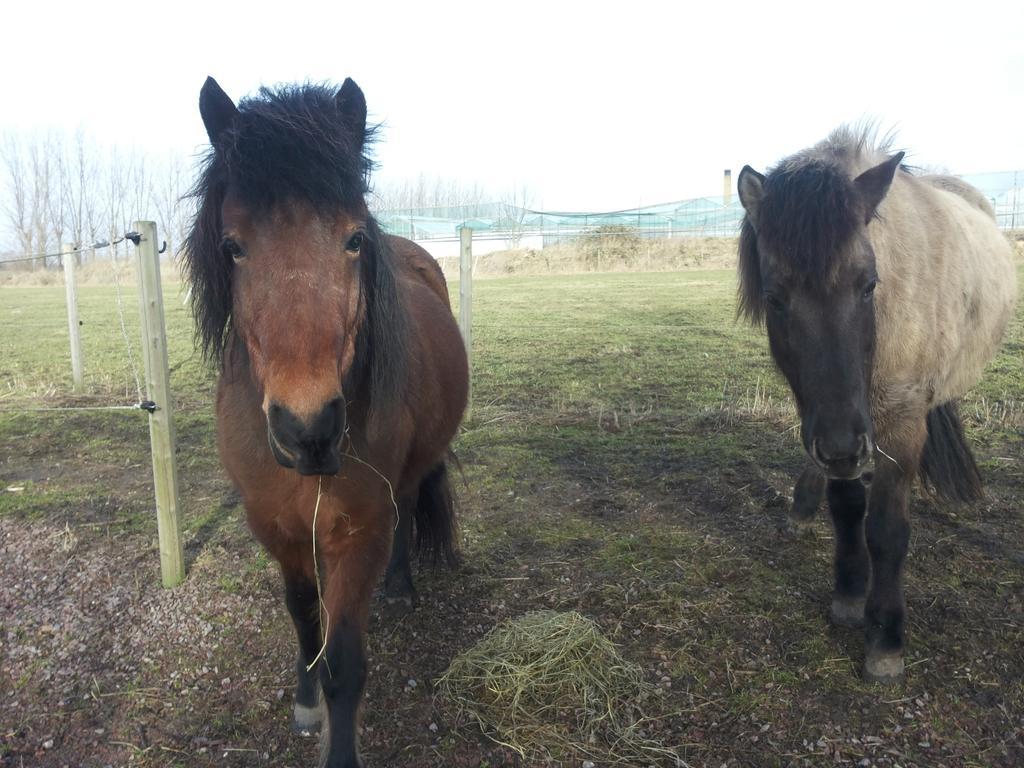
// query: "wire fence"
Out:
[37,340]
[104,250]
[58,256]
[34,371]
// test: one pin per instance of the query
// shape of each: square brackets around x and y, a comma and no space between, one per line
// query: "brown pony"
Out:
[884,295]
[343,374]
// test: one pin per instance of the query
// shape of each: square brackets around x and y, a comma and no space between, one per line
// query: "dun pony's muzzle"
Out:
[843,459]
[313,445]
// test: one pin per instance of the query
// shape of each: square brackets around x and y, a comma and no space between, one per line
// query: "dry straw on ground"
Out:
[550,686]
[604,251]
[100,272]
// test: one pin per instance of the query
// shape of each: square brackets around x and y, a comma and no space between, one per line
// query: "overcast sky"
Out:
[594,106]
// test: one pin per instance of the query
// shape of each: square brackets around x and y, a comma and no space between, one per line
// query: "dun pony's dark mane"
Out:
[809,211]
[289,144]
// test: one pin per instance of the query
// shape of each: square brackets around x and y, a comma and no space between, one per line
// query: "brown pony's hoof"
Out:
[327,760]
[884,668]
[399,590]
[847,612]
[306,721]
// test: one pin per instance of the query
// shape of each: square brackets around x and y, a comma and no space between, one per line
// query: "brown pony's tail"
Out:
[437,531]
[947,465]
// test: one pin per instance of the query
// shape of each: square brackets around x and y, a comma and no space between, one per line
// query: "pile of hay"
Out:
[549,685]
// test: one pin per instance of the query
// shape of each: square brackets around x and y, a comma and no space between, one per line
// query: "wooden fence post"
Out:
[74,329]
[466,302]
[158,391]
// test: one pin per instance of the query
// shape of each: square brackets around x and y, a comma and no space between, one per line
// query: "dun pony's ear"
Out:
[352,107]
[750,186]
[751,285]
[873,184]
[217,109]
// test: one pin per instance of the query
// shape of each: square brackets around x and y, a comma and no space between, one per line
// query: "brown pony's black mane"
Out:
[290,144]
[809,212]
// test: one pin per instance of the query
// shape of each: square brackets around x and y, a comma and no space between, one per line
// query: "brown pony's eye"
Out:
[233,249]
[355,242]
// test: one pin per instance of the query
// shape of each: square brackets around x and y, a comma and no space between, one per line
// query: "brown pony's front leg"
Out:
[301,598]
[398,583]
[888,535]
[354,564]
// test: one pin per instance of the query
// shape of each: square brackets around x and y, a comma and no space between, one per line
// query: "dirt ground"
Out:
[108,669]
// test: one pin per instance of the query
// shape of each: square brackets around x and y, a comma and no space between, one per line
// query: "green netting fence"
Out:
[715,216]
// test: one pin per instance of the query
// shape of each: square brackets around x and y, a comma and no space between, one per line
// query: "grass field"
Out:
[629,456]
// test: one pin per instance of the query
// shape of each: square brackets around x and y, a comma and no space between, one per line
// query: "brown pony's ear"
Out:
[750,186]
[873,184]
[352,107]
[217,109]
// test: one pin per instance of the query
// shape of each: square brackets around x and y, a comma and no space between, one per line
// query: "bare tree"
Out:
[42,176]
[18,196]
[54,165]
[79,189]
[515,204]
[170,183]
[429,196]
[35,204]
[138,189]
[58,187]
[113,194]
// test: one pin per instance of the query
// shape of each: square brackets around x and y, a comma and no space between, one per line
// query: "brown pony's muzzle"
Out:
[311,446]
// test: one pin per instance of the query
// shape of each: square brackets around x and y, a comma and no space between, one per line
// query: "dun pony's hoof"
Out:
[400,603]
[884,668]
[798,528]
[847,611]
[807,496]
[306,721]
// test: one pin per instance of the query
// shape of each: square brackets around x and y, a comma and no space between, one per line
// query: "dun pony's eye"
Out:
[869,290]
[233,249]
[354,243]
[775,302]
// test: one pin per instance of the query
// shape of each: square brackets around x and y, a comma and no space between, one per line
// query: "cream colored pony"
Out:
[884,295]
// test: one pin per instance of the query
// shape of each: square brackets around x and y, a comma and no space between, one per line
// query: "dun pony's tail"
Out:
[437,531]
[947,465]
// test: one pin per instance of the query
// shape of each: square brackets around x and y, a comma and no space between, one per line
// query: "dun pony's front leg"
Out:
[807,495]
[888,535]
[847,502]
[354,558]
